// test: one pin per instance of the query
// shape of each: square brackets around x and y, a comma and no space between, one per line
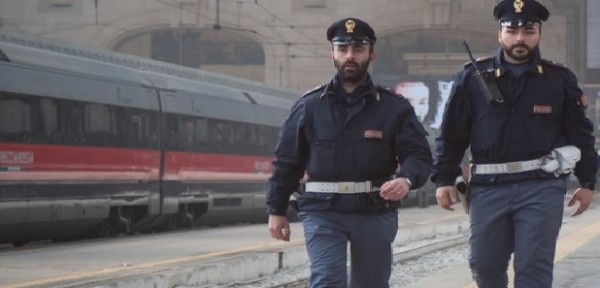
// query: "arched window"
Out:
[218,50]
[429,52]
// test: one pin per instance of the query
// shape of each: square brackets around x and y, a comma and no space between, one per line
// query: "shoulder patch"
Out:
[386,89]
[478,60]
[314,90]
[555,64]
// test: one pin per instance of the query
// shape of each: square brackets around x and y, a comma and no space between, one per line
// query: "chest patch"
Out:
[373,134]
[540,109]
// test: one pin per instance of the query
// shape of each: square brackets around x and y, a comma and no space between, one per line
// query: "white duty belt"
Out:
[340,187]
[510,167]
[561,160]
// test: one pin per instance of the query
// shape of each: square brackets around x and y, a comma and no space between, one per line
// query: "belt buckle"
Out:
[368,186]
[346,187]
[514,167]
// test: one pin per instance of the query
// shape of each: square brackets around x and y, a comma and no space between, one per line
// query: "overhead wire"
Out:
[271,40]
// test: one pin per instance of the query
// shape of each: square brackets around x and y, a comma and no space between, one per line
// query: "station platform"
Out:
[193,258]
[213,257]
[577,260]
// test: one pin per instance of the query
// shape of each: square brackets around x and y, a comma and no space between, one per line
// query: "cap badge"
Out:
[518,6]
[350,24]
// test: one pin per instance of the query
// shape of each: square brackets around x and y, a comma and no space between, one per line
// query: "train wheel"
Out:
[104,230]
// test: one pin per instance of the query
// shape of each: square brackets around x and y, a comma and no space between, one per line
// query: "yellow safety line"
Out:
[442,219]
[566,245]
[179,260]
[431,221]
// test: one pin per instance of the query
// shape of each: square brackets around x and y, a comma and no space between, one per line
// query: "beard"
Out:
[519,52]
[352,72]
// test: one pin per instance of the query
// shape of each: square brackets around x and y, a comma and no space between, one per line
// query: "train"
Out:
[95,143]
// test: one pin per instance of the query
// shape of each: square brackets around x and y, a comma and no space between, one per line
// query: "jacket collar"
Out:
[534,65]
[334,89]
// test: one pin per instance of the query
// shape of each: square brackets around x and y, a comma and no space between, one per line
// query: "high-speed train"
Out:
[95,142]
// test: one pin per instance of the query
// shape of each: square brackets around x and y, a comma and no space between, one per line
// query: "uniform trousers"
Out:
[521,217]
[370,236]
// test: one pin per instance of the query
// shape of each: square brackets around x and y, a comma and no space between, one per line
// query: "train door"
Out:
[181,130]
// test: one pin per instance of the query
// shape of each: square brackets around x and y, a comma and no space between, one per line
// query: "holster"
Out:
[464,192]
[293,202]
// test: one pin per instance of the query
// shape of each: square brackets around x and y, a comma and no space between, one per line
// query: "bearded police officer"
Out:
[348,136]
[525,141]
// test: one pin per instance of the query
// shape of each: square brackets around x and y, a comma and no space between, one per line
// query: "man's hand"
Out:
[446,196]
[584,197]
[279,227]
[394,190]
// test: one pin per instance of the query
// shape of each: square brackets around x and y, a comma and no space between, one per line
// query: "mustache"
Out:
[520,46]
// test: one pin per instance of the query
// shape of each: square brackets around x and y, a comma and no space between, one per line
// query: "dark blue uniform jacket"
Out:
[334,140]
[544,109]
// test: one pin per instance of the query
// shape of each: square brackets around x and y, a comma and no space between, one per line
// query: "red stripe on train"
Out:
[45,162]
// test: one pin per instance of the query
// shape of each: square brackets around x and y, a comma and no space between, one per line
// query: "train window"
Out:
[126,128]
[71,122]
[30,119]
[263,134]
[239,137]
[180,132]
[252,139]
[172,131]
[146,129]
[185,133]
[49,122]
[201,132]
[267,139]
[99,122]
[189,132]
[224,136]
[35,119]
[15,118]
[98,118]
[135,128]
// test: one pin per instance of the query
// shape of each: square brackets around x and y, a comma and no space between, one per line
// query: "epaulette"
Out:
[386,89]
[481,59]
[382,90]
[555,64]
[313,90]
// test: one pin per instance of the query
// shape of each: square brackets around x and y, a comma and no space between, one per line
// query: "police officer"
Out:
[524,142]
[348,136]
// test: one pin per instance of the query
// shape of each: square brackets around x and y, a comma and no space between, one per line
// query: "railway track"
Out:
[297,278]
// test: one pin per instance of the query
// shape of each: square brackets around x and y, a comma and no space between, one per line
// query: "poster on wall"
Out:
[428,95]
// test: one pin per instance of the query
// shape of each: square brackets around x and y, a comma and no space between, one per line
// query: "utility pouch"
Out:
[293,202]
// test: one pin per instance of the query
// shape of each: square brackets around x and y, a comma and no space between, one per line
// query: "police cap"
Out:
[520,13]
[350,30]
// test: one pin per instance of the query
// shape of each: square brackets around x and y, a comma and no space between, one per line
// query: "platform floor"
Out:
[191,258]
[209,253]
[577,261]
